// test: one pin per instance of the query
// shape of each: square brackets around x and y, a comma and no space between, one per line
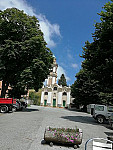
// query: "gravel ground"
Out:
[24,130]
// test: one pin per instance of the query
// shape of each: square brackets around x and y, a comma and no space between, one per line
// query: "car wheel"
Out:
[3,109]
[100,119]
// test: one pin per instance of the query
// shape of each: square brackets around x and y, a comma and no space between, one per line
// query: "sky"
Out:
[66,24]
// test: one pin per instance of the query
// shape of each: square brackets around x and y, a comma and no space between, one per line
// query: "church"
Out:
[55,95]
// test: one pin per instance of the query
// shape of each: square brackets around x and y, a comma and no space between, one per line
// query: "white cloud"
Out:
[74,65]
[49,30]
[61,71]
[20,4]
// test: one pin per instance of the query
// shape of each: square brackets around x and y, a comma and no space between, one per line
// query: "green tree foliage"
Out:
[97,68]
[62,80]
[17,91]
[85,90]
[25,61]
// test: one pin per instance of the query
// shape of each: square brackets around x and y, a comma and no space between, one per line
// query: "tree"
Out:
[25,61]
[62,80]
[99,54]
[98,63]
[85,90]
[35,96]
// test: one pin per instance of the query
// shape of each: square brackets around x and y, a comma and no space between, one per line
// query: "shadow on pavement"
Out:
[29,110]
[73,109]
[85,119]
[82,119]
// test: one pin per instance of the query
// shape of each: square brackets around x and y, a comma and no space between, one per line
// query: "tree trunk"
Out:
[4,88]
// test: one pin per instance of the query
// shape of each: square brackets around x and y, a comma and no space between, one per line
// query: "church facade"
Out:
[53,94]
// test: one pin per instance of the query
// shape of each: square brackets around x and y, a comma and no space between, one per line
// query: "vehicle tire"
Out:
[100,119]
[3,109]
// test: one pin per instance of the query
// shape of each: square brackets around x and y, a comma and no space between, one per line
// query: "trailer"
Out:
[7,104]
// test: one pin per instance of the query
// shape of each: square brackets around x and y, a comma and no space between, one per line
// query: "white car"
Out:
[102,112]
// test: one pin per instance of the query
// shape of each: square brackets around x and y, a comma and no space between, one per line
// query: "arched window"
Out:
[54,94]
[46,93]
[64,93]
[55,88]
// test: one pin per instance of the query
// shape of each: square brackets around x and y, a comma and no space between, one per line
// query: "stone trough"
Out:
[65,136]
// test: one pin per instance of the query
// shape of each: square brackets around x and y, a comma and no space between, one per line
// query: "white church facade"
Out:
[53,94]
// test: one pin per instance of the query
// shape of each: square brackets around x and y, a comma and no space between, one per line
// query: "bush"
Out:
[35,96]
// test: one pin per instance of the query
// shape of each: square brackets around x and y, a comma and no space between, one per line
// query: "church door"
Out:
[45,102]
[64,103]
[54,102]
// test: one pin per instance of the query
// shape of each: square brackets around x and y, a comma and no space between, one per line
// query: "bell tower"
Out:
[52,78]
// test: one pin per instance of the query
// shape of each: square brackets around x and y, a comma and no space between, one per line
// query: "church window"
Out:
[54,94]
[55,88]
[64,93]
[46,93]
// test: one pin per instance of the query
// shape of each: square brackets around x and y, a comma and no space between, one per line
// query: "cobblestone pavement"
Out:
[24,130]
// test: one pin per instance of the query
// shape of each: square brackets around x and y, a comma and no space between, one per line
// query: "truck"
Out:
[102,113]
[7,104]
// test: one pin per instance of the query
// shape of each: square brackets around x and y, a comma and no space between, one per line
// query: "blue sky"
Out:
[66,24]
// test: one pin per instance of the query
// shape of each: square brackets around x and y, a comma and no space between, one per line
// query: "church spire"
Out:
[52,78]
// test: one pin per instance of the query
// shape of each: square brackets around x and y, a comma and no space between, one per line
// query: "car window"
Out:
[110,109]
[99,108]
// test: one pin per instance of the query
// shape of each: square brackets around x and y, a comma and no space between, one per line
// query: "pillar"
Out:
[42,99]
[49,99]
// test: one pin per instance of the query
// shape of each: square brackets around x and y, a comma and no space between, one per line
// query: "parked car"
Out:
[111,120]
[24,104]
[19,105]
[102,113]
